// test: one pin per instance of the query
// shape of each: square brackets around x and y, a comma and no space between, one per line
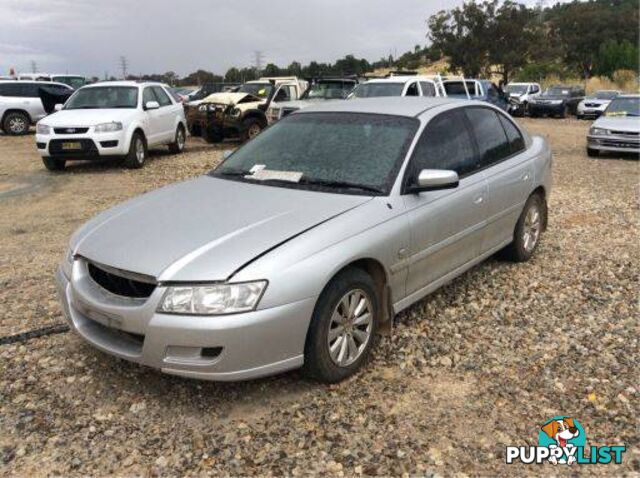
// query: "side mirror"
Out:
[152,105]
[435,179]
[58,107]
[227,153]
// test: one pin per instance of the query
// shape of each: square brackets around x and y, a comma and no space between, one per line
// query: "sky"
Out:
[88,37]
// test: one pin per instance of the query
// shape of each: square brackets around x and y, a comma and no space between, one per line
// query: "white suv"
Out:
[21,106]
[112,119]
[399,86]
[520,94]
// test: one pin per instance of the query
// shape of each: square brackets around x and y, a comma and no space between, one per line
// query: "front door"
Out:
[447,226]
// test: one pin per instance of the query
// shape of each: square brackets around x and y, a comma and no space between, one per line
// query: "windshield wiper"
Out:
[341,184]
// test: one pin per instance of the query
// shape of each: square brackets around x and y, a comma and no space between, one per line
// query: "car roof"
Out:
[124,83]
[392,105]
[5,81]
[628,95]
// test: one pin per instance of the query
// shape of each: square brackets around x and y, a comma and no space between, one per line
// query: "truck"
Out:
[241,114]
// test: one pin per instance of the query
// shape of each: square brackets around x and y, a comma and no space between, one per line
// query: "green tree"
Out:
[614,56]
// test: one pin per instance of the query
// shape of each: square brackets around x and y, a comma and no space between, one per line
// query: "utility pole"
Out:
[258,59]
[124,65]
[541,11]
[34,66]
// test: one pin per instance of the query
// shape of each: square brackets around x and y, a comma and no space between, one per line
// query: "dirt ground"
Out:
[478,365]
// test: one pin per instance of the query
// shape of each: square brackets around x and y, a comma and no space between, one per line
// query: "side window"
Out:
[516,141]
[148,95]
[445,144]
[29,90]
[428,89]
[489,134]
[535,89]
[282,95]
[413,90]
[292,92]
[163,98]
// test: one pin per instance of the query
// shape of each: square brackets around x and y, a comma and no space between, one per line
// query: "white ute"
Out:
[120,119]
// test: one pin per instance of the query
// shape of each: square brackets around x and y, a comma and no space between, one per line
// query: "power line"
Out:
[258,60]
[124,65]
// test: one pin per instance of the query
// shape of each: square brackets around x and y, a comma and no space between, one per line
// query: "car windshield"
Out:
[605,95]
[328,90]
[350,153]
[375,90]
[103,97]
[517,89]
[557,91]
[624,107]
[261,90]
[74,82]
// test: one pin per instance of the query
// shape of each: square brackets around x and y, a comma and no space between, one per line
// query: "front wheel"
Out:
[528,230]
[343,327]
[177,146]
[137,155]
[251,128]
[53,164]
[593,153]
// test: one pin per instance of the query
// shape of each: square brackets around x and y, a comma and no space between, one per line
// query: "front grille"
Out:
[87,147]
[592,105]
[631,134]
[119,284]
[70,130]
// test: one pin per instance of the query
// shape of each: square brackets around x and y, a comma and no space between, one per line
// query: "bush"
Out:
[626,80]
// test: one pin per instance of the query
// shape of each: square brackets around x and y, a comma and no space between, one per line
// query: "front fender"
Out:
[133,126]
[303,266]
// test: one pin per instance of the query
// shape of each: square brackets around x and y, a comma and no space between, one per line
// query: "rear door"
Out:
[447,226]
[30,99]
[507,168]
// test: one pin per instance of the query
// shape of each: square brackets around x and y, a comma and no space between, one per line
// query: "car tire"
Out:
[593,153]
[565,112]
[16,123]
[54,164]
[251,127]
[213,135]
[137,155]
[177,146]
[340,337]
[526,237]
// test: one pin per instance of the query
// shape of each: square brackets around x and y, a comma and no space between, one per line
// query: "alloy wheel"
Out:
[350,328]
[139,151]
[531,229]
[17,125]
[180,139]
[254,130]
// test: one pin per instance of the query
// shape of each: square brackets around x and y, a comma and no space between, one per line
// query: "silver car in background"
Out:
[305,242]
[593,106]
[618,131]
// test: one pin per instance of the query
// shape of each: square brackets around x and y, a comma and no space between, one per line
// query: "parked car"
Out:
[557,100]
[519,96]
[618,130]
[481,90]
[199,94]
[306,241]
[241,114]
[119,119]
[593,106]
[21,104]
[412,85]
[321,89]
[74,81]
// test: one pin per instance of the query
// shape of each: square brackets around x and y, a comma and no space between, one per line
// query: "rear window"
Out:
[454,88]
[377,90]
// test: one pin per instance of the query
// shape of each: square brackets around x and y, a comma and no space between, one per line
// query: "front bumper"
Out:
[546,109]
[223,348]
[588,112]
[614,143]
[92,145]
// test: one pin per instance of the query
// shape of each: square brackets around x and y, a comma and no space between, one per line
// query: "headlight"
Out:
[42,129]
[108,127]
[67,263]
[556,102]
[214,299]
[598,131]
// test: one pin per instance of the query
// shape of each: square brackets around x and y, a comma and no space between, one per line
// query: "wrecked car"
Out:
[241,114]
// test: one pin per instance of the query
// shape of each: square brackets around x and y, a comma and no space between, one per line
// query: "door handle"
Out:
[478,200]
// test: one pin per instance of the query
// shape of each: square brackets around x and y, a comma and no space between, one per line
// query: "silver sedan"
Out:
[299,249]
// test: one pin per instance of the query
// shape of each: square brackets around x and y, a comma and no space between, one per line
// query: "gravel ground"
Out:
[478,365]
